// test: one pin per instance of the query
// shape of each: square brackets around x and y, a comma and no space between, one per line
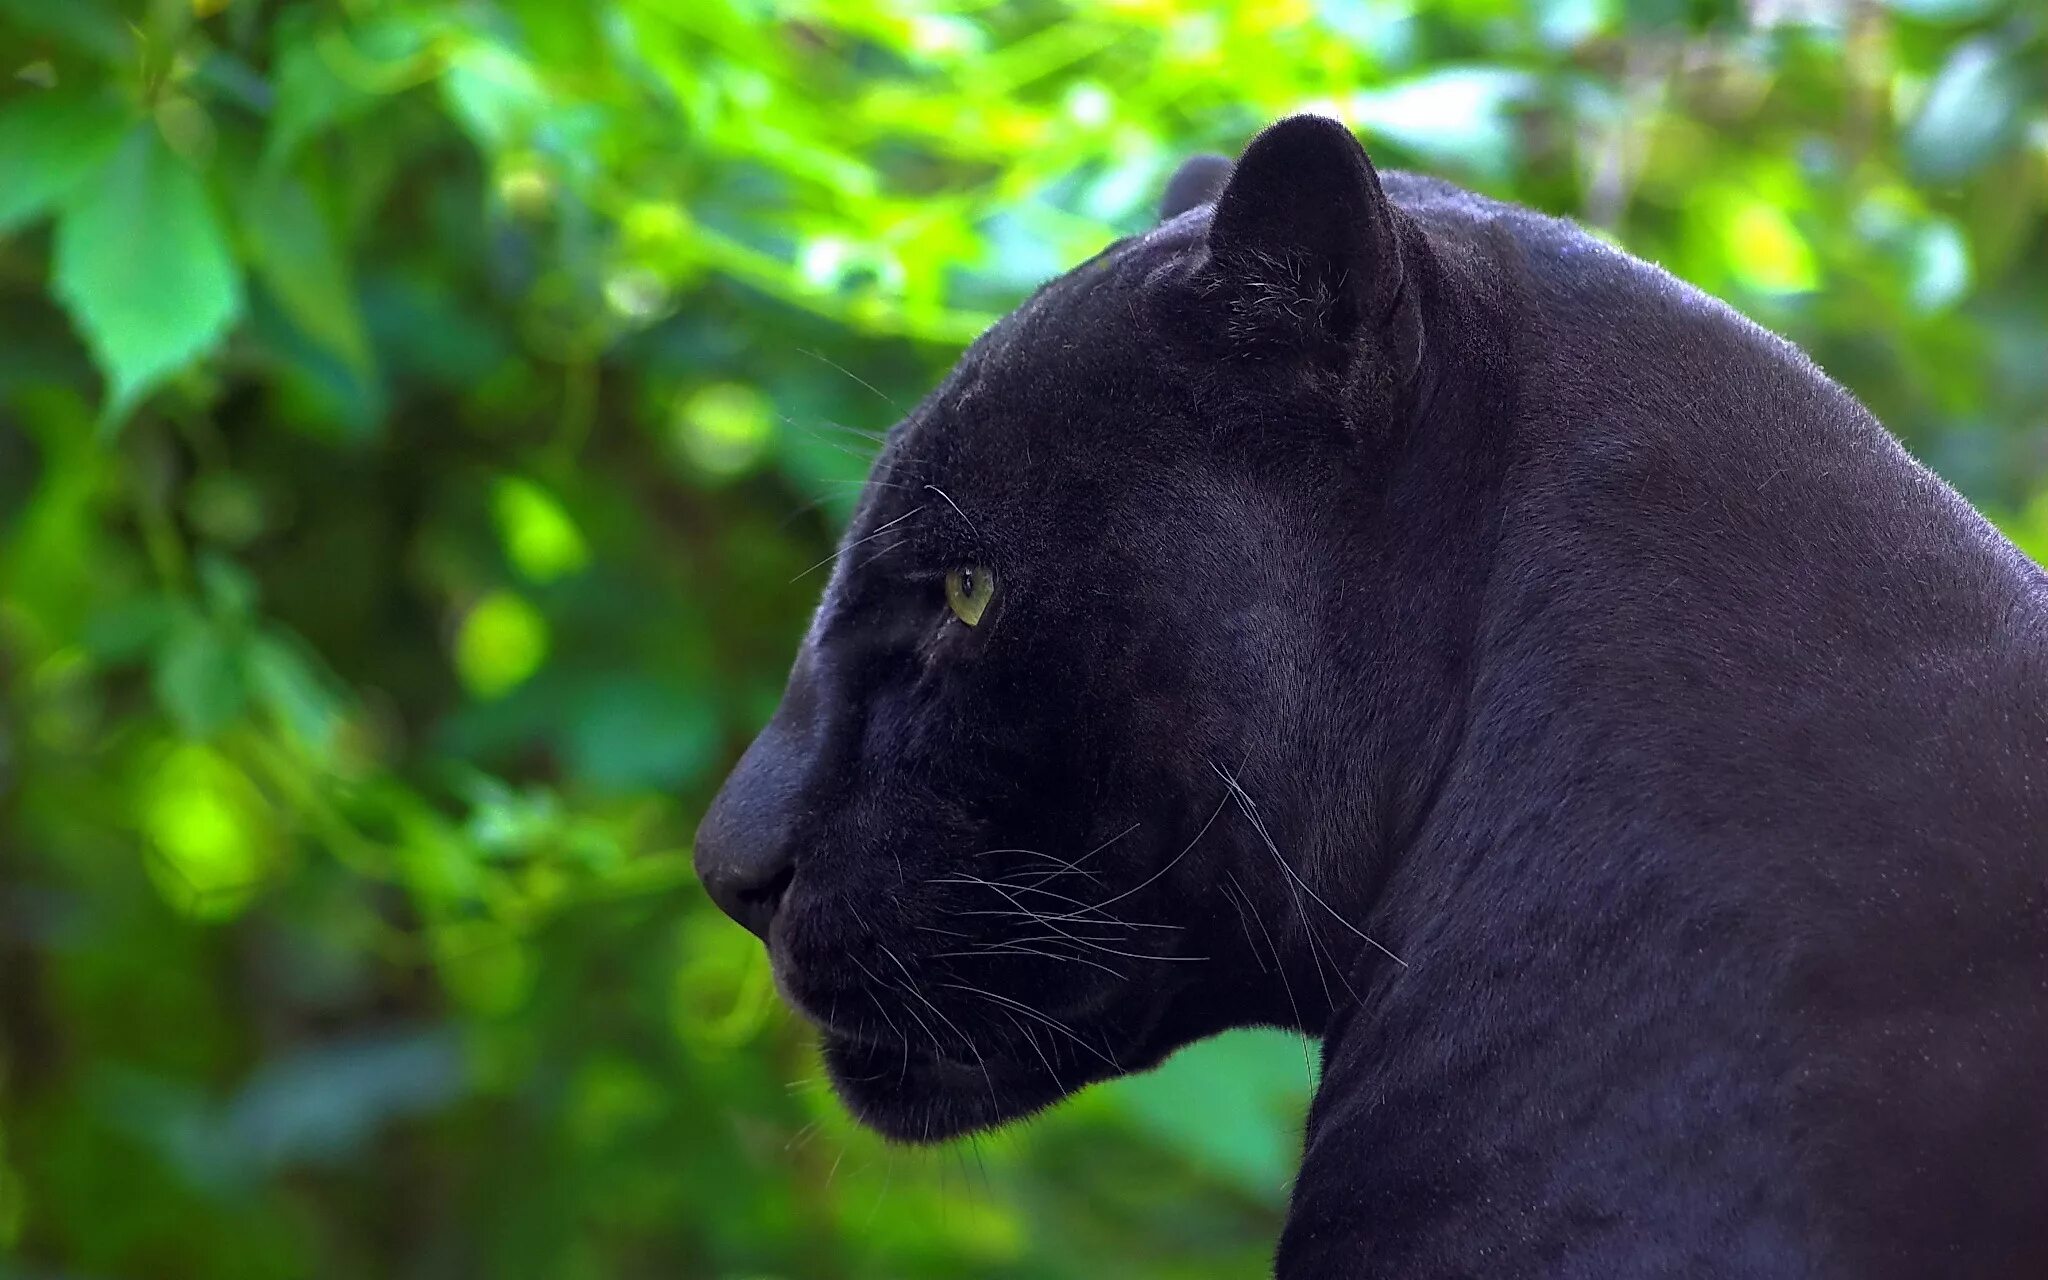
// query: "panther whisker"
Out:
[1315,953]
[802,1137]
[956,510]
[874,437]
[1007,948]
[904,1071]
[869,537]
[1105,844]
[1073,866]
[910,985]
[1061,867]
[1031,1040]
[1083,912]
[1280,967]
[1005,886]
[824,359]
[1040,921]
[1039,917]
[1242,923]
[1040,877]
[1317,950]
[1008,893]
[1000,885]
[1039,1016]
[801,510]
[1245,803]
[877,555]
[860,455]
[1077,904]
[938,1046]
[860,483]
[1051,939]
[1170,862]
[1089,943]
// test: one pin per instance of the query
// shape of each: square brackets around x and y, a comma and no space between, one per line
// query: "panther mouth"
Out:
[931,1043]
[923,1094]
[923,1053]
[901,1059]
[952,1076]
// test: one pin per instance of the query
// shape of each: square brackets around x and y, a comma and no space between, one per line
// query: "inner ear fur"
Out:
[1303,247]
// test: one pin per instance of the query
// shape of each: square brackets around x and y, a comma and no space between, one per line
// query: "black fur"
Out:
[1394,573]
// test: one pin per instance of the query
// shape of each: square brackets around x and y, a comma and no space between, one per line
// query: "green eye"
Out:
[968,592]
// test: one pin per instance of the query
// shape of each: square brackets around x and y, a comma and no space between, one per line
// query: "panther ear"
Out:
[1195,183]
[1303,243]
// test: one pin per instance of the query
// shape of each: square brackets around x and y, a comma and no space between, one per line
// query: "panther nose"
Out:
[742,860]
[745,849]
[749,893]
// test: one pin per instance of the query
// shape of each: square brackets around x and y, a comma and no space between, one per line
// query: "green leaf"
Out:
[144,269]
[92,27]
[1971,112]
[310,96]
[1944,11]
[127,630]
[295,254]
[322,1102]
[328,75]
[1251,1087]
[229,589]
[1940,270]
[199,678]
[494,93]
[287,680]
[633,733]
[1456,115]
[48,143]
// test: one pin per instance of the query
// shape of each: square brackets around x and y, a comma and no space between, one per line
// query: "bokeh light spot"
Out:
[541,538]
[724,428]
[1765,251]
[211,836]
[502,642]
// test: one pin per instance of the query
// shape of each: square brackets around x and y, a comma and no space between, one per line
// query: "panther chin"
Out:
[916,1095]
[918,1091]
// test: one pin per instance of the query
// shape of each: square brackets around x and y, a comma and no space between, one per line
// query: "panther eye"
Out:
[968,592]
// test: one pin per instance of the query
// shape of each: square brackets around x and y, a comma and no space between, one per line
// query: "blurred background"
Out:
[417,418]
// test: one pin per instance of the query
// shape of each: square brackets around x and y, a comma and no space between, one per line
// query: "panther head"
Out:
[1096,739]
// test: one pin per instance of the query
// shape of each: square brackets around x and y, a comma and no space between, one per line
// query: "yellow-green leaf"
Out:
[541,537]
[501,644]
[1766,251]
[211,832]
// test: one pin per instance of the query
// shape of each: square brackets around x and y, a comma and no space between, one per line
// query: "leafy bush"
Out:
[417,418]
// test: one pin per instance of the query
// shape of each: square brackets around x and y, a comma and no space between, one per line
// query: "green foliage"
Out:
[48,142]
[417,418]
[143,266]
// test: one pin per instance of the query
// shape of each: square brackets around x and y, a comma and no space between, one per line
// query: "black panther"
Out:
[1363,607]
